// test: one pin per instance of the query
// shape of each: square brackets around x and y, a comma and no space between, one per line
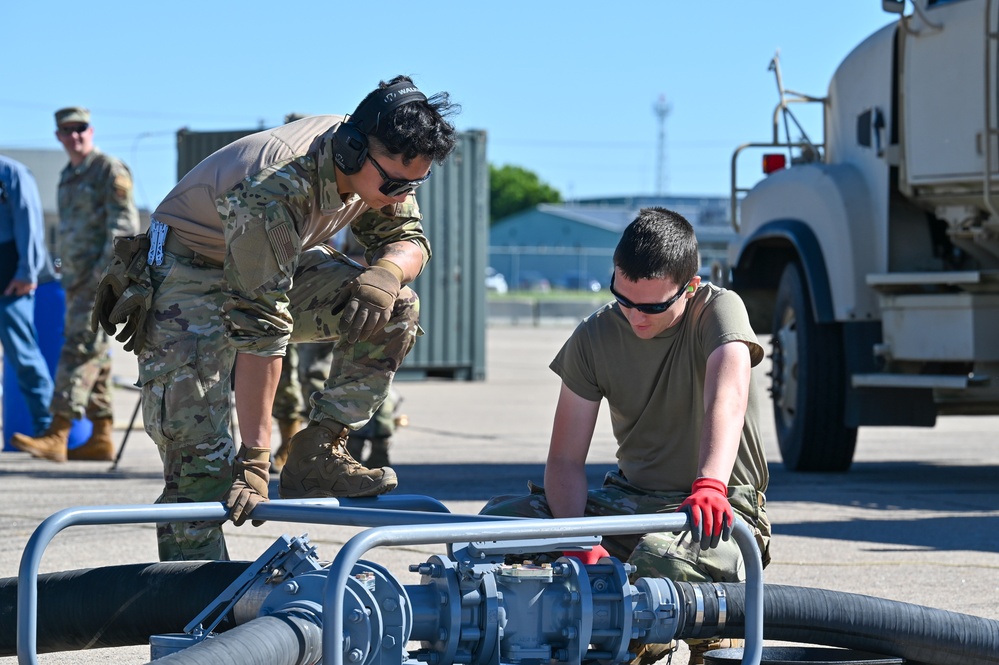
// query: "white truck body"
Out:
[873,259]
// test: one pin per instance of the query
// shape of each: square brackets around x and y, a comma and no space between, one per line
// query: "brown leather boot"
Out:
[51,445]
[319,466]
[100,446]
[379,457]
[288,429]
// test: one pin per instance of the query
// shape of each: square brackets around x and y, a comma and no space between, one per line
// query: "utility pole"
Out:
[662,109]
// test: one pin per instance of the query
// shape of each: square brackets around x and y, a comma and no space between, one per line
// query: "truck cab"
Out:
[871,254]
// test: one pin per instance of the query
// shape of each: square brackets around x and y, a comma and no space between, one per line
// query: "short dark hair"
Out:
[417,129]
[659,243]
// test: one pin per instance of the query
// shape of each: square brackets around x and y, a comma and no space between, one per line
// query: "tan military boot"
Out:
[319,466]
[288,429]
[379,457]
[100,446]
[700,647]
[51,445]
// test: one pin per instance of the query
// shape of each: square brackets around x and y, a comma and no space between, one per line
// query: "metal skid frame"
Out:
[391,521]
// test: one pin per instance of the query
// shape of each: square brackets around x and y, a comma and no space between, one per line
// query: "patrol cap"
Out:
[72,114]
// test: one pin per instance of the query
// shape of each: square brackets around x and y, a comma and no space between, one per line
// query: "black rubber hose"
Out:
[284,638]
[853,621]
[117,605]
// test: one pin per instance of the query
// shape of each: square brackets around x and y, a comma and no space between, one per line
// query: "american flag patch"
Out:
[282,242]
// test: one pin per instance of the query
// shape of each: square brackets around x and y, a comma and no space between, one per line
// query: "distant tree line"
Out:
[513,189]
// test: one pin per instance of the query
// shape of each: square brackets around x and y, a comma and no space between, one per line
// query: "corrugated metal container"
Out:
[192,147]
[455,205]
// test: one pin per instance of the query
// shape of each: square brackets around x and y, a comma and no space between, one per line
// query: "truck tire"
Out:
[808,383]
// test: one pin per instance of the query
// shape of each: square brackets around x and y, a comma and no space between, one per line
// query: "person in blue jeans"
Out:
[24,262]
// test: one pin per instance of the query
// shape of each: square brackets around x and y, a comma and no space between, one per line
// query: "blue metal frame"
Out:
[424,521]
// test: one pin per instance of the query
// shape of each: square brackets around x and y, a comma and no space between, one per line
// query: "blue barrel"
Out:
[50,314]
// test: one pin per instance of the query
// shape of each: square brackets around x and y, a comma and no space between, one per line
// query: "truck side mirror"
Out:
[893,6]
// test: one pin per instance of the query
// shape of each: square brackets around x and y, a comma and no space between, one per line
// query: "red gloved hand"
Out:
[596,553]
[710,513]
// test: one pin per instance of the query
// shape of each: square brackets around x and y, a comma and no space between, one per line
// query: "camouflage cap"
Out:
[72,114]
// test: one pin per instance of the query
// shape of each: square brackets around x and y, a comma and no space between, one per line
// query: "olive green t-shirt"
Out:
[655,388]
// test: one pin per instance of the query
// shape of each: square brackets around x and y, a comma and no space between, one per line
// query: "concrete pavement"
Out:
[915,520]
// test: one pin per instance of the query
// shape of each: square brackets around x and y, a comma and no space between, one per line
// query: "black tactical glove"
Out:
[250,475]
[372,297]
[128,268]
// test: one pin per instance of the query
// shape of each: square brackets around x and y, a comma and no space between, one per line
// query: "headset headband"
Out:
[380,103]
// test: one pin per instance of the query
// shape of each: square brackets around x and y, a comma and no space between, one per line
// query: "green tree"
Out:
[512,189]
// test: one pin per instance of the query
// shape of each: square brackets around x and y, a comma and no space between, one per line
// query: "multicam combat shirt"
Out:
[255,205]
[95,206]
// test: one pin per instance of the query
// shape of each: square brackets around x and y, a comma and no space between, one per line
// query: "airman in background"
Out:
[95,207]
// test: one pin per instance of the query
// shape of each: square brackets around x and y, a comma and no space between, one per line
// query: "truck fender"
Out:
[768,249]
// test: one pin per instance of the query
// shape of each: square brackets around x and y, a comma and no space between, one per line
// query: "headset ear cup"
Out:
[350,148]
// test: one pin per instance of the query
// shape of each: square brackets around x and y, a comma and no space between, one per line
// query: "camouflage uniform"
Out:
[254,279]
[303,373]
[95,205]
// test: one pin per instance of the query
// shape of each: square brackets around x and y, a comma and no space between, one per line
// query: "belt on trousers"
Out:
[173,245]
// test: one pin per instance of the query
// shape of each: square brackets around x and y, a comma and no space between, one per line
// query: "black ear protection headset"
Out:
[350,140]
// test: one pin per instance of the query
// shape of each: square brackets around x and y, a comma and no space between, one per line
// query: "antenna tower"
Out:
[662,109]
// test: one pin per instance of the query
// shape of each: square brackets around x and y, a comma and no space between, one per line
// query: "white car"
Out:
[495,281]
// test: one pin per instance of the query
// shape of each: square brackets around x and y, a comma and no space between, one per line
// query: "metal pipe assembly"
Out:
[470,606]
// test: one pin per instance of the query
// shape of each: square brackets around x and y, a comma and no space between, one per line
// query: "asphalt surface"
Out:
[915,520]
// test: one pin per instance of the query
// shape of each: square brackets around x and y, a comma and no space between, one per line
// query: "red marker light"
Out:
[773,163]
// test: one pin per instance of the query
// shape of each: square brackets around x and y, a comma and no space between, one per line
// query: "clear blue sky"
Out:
[565,89]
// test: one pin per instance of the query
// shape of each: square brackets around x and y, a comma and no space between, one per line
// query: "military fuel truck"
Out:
[871,254]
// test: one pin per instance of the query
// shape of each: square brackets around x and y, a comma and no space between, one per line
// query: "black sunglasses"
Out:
[69,130]
[647,308]
[393,187]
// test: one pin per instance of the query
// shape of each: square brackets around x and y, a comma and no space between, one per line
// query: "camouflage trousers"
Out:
[673,556]
[382,423]
[303,374]
[83,375]
[185,372]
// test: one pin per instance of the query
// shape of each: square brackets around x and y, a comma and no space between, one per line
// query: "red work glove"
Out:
[596,553]
[710,513]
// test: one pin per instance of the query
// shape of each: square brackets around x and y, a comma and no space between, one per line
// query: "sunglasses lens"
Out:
[393,188]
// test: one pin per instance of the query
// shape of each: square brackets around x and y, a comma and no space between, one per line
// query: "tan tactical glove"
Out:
[132,309]
[372,297]
[117,301]
[250,475]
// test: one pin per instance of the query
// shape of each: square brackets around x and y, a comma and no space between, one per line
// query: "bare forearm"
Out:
[408,256]
[565,488]
[565,470]
[726,394]
[256,382]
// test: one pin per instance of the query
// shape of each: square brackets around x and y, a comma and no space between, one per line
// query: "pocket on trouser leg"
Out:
[184,400]
[750,504]
[676,557]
